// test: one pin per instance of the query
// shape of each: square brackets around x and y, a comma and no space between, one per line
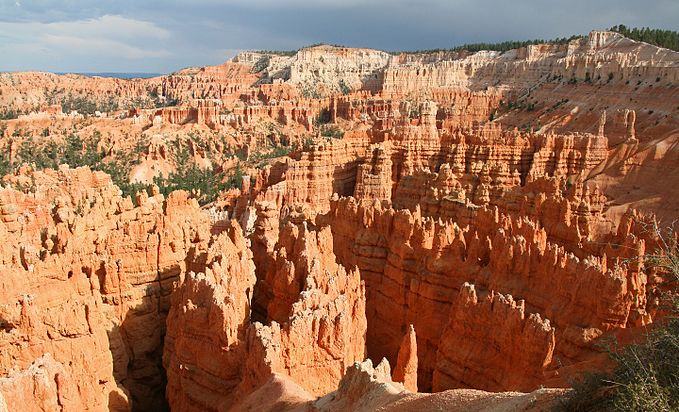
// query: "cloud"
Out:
[110,26]
[162,36]
[107,26]
[104,38]
[97,46]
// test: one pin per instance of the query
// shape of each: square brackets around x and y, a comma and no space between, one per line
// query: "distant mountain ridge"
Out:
[116,75]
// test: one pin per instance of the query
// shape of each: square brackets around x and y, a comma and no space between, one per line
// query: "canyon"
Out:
[411,231]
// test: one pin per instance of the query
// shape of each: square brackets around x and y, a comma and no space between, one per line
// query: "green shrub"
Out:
[5,166]
[9,114]
[332,132]
[590,393]
[274,152]
[308,143]
[260,64]
[75,152]
[204,184]
[310,91]
[78,103]
[344,88]
[287,53]
[324,117]
[83,105]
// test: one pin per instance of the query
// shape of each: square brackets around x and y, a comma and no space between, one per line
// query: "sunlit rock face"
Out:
[448,222]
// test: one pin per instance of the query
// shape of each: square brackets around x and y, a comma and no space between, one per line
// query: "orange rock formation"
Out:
[477,221]
[406,363]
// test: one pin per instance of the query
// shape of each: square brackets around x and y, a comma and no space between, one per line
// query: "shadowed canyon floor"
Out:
[477,223]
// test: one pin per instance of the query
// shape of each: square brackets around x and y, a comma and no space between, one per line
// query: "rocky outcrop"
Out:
[598,54]
[406,362]
[491,213]
[406,261]
[316,309]
[373,179]
[364,387]
[368,388]
[46,385]
[205,345]
[88,277]
[323,69]
[27,91]
[490,343]
[327,168]
[215,356]
[352,68]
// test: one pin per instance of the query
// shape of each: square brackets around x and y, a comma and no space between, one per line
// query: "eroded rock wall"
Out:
[414,268]
[88,276]
[205,347]
[490,343]
[314,317]
[491,213]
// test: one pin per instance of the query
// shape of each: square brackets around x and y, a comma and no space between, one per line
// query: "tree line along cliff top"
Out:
[668,39]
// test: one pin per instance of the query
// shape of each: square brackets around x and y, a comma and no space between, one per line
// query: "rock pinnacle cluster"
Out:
[336,229]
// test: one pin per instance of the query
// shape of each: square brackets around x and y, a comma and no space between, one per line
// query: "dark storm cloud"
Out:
[126,35]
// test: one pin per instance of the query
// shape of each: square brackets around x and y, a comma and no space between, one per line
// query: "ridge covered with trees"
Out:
[663,38]
[668,39]
[501,46]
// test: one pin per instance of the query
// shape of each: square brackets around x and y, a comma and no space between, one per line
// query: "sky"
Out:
[161,36]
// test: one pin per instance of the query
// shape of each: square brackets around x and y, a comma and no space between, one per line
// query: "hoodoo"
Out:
[339,229]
